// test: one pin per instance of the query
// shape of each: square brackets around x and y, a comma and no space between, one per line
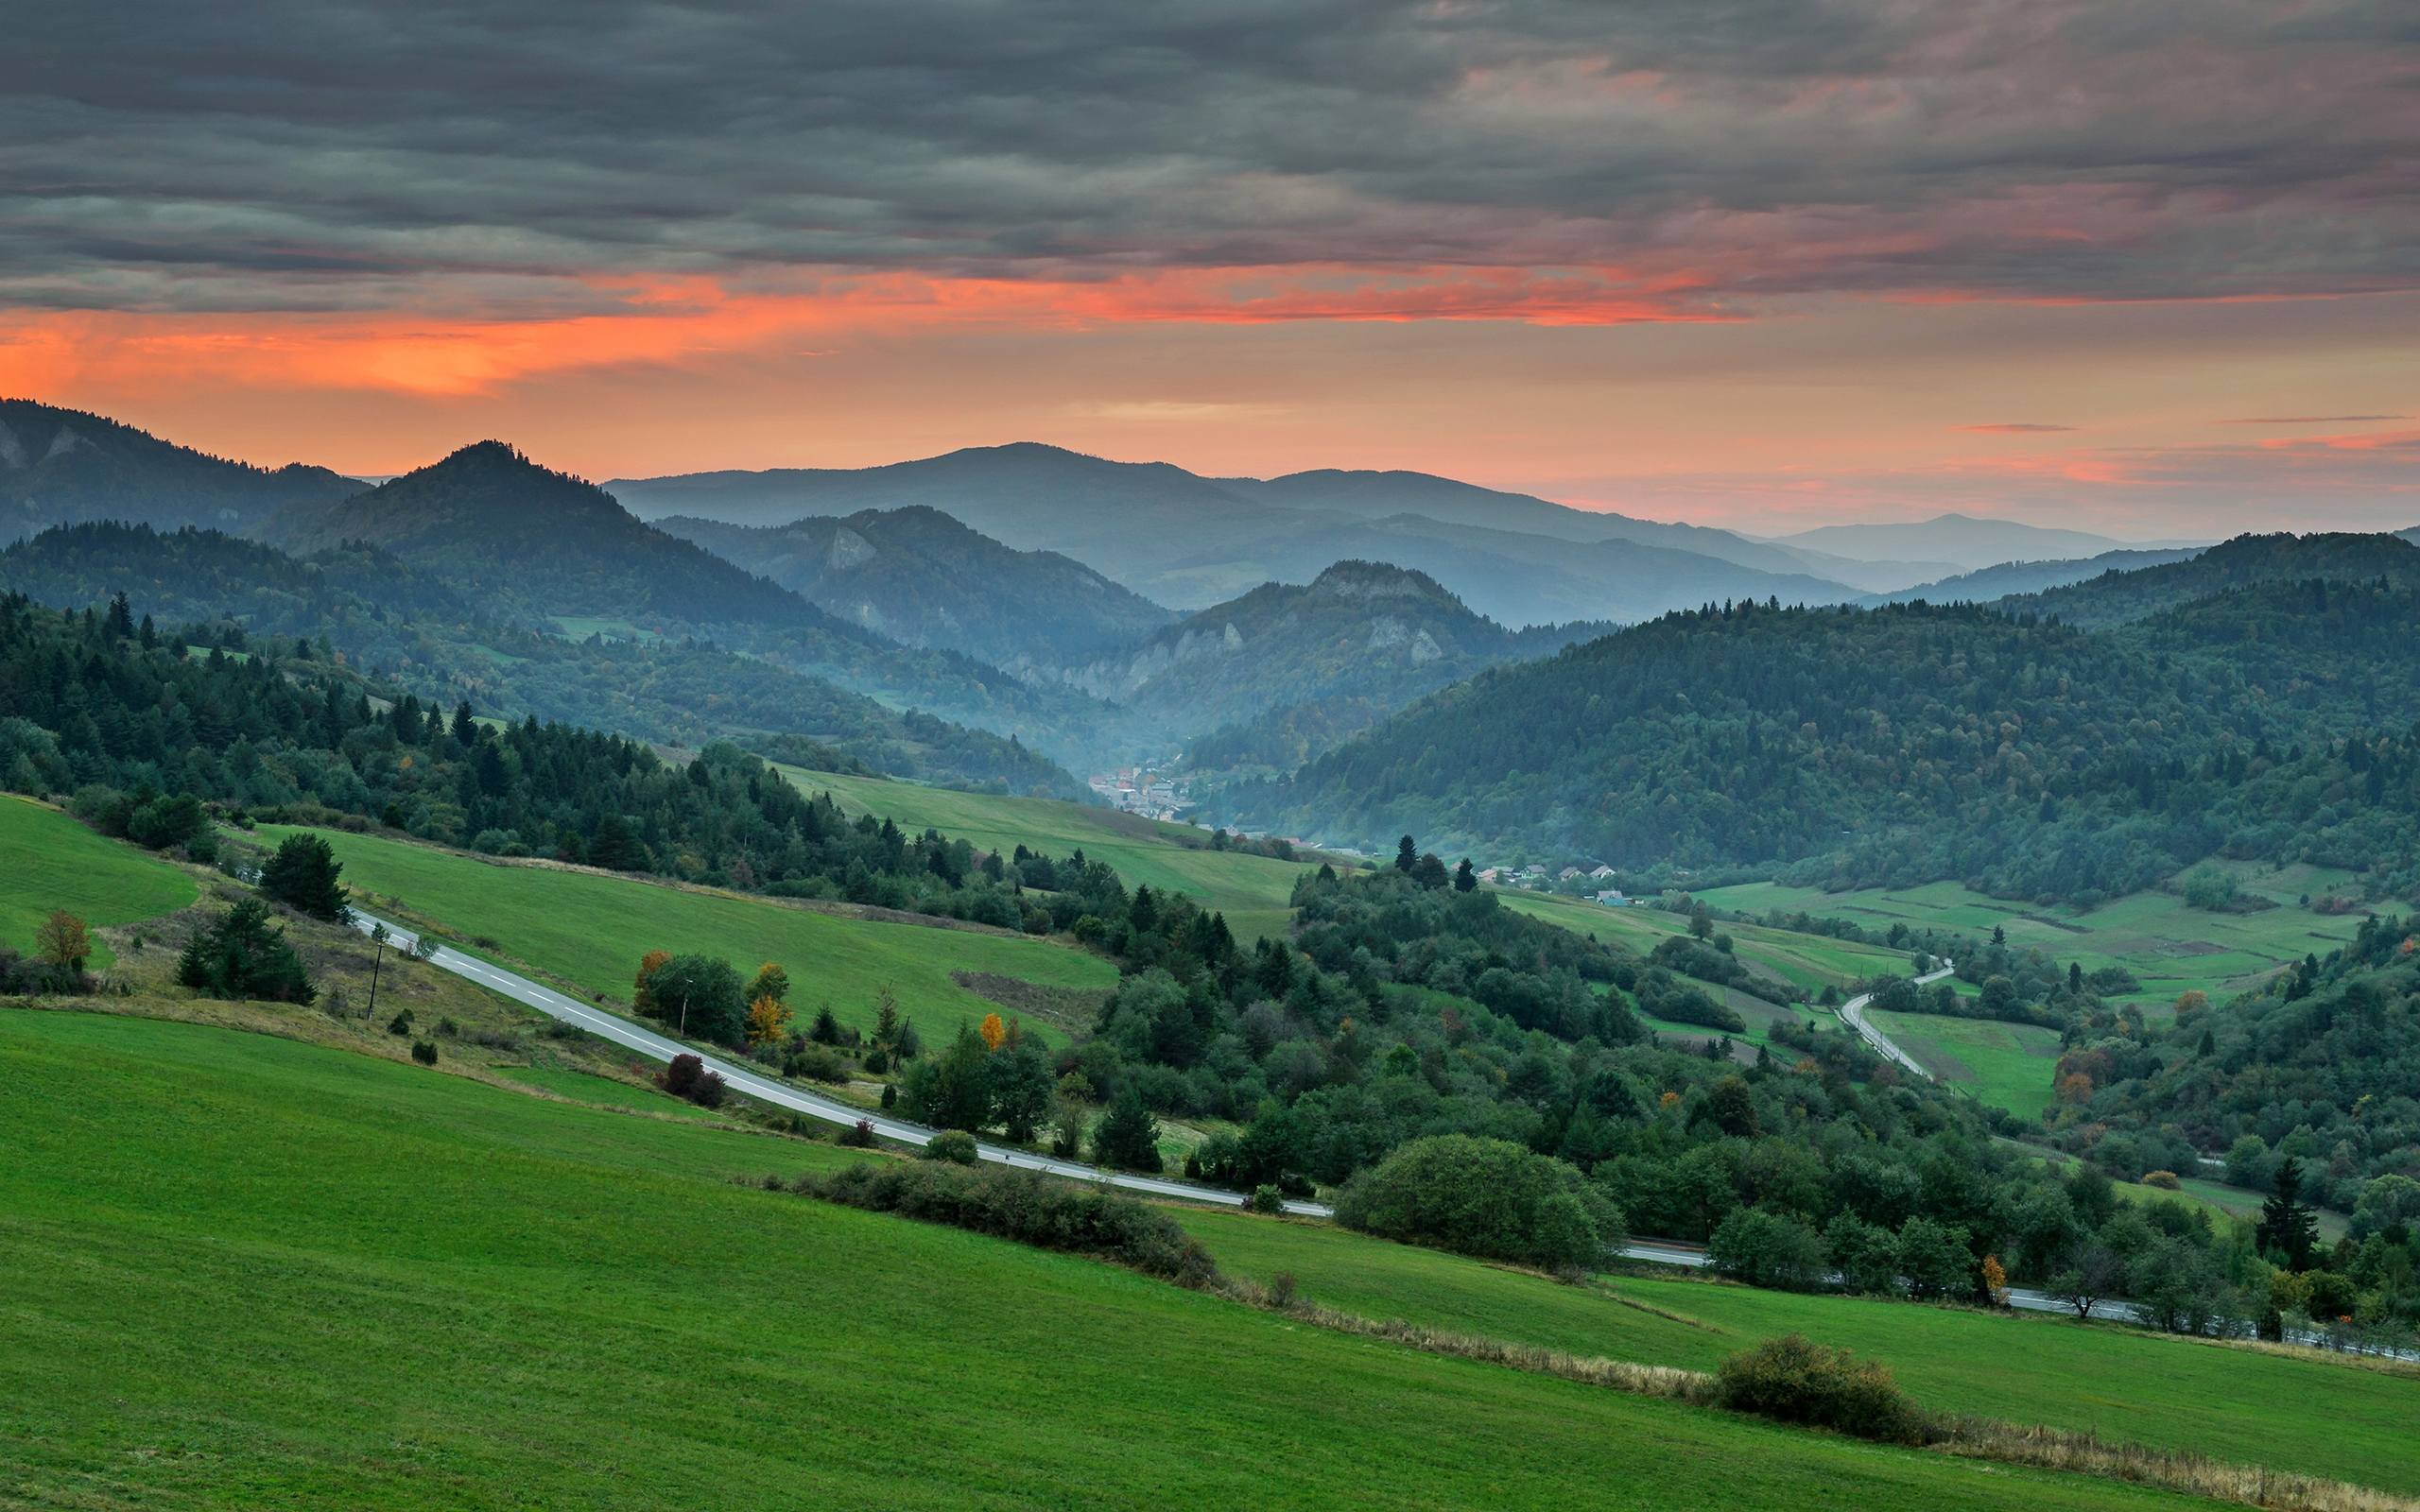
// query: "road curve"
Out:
[1853,1014]
[755,1083]
[654,1046]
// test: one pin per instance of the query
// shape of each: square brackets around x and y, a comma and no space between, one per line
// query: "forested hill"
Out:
[62,467]
[2115,597]
[2319,1064]
[497,523]
[547,547]
[920,576]
[1309,663]
[1915,742]
[401,622]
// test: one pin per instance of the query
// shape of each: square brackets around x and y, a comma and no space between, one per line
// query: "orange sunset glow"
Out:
[1880,279]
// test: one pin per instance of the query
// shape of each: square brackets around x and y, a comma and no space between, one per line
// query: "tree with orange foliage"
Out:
[2075,1087]
[994,1033]
[63,941]
[769,1021]
[643,991]
[1995,1281]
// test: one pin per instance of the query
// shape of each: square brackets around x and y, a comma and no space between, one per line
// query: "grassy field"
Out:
[2315,1416]
[590,930]
[51,861]
[2170,947]
[2007,1065]
[1251,890]
[1809,961]
[248,1272]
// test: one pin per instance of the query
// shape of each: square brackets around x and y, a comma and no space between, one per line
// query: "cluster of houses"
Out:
[1154,794]
[1538,879]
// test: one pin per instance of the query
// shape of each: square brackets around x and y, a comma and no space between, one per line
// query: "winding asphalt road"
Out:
[654,1046]
[1853,1014]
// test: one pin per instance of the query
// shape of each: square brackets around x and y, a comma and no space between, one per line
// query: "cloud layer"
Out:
[1556,160]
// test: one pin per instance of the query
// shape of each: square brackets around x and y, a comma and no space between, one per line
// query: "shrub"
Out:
[857,1136]
[1265,1198]
[955,1145]
[1022,1205]
[2165,1180]
[1485,1197]
[688,1077]
[816,1063]
[425,1051]
[1793,1381]
[401,1025]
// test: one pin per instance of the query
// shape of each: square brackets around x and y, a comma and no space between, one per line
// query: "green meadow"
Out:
[52,862]
[2170,947]
[248,1271]
[1809,961]
[2007,1065]
[590,930]
[2315,1416]
[1251,890]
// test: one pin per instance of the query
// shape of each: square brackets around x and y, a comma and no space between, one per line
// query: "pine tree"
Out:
[1465,878]
[1407,854]
[2287,1226]
[304,876]
[1128,1137]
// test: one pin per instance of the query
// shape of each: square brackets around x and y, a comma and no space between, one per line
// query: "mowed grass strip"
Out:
[2007,1065]
[49,861]
[248,1272]
[2312,1417]
[1252,892]
[591,930]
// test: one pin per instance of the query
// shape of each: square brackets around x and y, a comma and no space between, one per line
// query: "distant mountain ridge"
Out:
[493,519]
[1191,541]
[1969,543]
[553,547]
[926,578]
[2014,578]
[65,467]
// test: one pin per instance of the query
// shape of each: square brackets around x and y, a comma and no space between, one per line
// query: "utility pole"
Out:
[378,934]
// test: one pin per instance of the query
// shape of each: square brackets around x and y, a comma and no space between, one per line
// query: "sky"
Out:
[2145,266]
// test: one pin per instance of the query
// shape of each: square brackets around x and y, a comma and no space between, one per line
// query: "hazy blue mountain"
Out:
[560,549]
[2011,578]
[1191,541]
[1964,540]
[489,518]
[1366,634]
[65,467]
[1448,500]
[922,577]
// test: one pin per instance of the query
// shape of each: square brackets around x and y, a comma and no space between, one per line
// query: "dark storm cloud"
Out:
[289,155]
